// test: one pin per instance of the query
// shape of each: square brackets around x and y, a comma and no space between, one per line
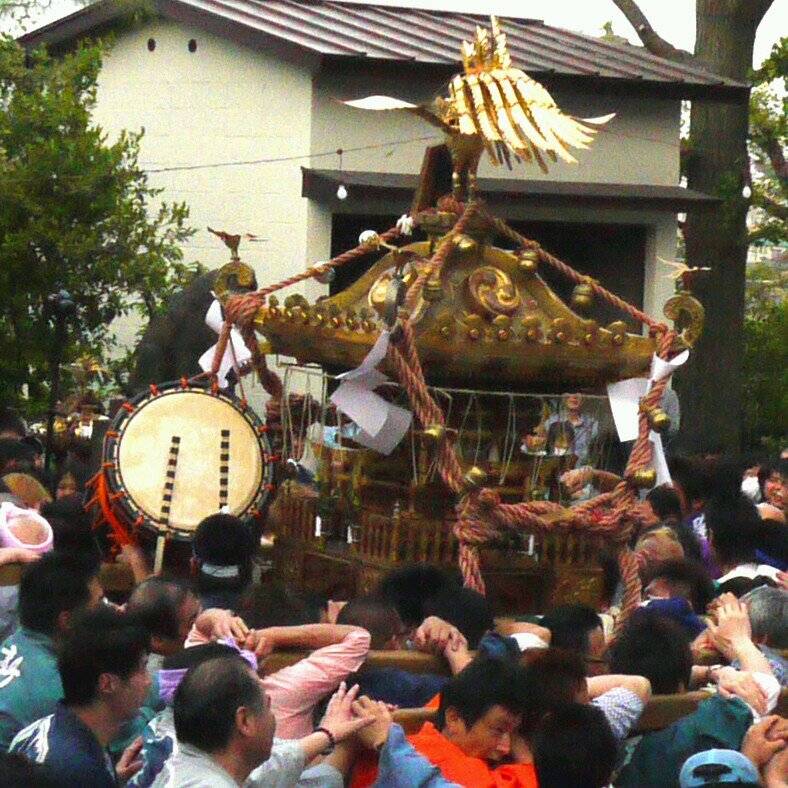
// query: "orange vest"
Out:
[454,764]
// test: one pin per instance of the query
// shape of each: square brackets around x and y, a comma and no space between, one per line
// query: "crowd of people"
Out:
[171,686]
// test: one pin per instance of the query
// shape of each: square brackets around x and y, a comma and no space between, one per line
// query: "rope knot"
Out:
[487,500]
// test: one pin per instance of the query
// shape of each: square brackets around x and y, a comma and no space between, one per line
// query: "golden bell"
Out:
[644,479]
[474,478]
[659,420]
[433,290]
[582,298]
[435,433]
[464,243]
[529,261]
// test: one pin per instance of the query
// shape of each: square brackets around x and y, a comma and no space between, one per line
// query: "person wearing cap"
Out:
[718,768]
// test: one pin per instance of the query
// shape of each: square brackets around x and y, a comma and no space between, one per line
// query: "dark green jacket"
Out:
[654,760]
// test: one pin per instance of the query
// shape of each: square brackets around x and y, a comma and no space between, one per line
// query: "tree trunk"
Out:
[710,383]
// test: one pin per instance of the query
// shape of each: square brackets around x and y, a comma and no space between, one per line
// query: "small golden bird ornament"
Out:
[497,108]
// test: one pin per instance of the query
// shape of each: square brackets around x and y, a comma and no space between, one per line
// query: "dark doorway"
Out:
[613,254]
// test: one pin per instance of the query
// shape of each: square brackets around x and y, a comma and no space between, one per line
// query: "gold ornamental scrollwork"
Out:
[688,315]
[492,292]
[232,278]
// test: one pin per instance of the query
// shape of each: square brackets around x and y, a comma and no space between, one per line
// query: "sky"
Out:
[674,20]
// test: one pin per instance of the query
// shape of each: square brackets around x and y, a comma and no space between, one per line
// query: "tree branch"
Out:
[650,38]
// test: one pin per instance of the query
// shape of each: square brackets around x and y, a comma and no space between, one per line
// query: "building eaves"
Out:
[321,186]
[334,30]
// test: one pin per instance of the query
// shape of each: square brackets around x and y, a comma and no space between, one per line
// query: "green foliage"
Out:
[767,144]
[76,212]
[766,355]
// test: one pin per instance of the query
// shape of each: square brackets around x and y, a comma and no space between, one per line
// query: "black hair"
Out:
[652,646]
[56,583]
[485,683]
[79,472]
[691,475]
[408,587]
[71,527]
[191,657]
[551,679]
[766,469]
[208,697]
[570,627]
[562,430]
[688,579]
[575,748]
[665,502]
[16,455]
[277,605]
[223,540]
[734,525]
[464,608]
[10,421]
[157,603]
[100,641]
[379,618]
[16,771]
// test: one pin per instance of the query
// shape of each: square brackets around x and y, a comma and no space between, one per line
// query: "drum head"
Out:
[183,454]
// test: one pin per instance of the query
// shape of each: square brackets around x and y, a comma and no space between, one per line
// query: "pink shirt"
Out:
[296,690]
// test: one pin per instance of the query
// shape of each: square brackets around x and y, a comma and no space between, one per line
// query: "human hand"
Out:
[775,774]
[375,735]
[217,624]
[765,739]
[340,718]
[17,555]
[435,634]
[732,683]
[256,642]
[130,762]
[782,580]
[732,627]
[521,752]
[333,610]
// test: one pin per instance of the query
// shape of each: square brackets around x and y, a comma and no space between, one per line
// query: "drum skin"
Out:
[182,452]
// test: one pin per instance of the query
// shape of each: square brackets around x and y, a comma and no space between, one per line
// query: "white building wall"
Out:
[222,103]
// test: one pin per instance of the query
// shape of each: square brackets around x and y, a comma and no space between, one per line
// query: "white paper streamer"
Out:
[381,425]
[214,321]
[625,397]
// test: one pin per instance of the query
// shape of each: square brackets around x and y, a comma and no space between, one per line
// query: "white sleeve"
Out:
[281,770]
[771,687]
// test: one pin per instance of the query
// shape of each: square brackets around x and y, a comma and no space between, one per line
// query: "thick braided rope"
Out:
[242,308]
[481,515]
[503,228]
[439,257]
